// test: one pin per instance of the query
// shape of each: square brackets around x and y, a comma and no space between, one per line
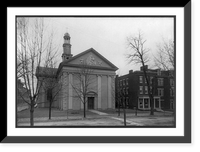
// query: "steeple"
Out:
[66,47]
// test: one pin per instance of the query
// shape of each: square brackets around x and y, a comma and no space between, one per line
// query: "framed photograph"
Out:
[98,75]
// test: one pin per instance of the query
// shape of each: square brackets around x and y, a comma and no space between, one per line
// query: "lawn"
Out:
[44,112]
[75,118]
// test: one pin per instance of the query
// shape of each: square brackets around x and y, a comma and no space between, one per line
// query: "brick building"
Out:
[135,90]
[100,93]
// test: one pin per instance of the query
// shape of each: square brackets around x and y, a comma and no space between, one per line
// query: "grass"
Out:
[44,112]
[76,117]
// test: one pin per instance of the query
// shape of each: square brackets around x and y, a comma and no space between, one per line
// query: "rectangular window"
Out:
[123,81]
[140,103]
[145,81]
[141,79]
[146,103]
[172,92]
[160,82]
[127,90]
[160,92]
[171,82]
[126,81]
[151,91]
[141,89]
[146,90]
[151,80]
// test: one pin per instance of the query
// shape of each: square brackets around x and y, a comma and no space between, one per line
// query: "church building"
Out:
[87,76]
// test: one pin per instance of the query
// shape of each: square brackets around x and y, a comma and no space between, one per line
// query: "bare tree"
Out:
[84,83]
[121,100]
[50,85]
[32,44]
[120,96]
[139,55]
[47,74]
[164,58]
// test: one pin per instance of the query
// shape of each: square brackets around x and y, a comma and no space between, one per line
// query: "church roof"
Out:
[46,72]
[69,62]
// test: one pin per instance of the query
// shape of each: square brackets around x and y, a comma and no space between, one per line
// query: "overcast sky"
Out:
[107,35]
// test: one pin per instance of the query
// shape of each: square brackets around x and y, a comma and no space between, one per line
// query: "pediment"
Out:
[91,58]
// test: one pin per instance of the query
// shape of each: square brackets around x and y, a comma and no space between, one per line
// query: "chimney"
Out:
[130,71]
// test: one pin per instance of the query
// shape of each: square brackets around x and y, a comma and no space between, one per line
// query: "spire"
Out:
[66,47]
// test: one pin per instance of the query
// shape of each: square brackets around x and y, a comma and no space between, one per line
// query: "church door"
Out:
[90,102]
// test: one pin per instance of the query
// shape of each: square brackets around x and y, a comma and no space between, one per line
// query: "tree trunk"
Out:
[152,105]
[149,92]
[84,110]
[32,115]
[50,105]
[124,115]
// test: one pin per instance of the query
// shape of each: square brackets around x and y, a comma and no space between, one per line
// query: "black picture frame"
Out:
[126,139]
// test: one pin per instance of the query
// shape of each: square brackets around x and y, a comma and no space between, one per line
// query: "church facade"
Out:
[87,77]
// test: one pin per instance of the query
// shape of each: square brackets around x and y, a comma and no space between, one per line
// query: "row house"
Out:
[132,89]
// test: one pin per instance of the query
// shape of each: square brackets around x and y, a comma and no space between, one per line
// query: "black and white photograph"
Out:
[98,75]
[95,71]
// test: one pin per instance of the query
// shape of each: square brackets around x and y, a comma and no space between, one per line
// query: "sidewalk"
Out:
[99,113]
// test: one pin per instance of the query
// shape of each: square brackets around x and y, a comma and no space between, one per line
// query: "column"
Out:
[65,82]
[109,92]
[112,92]
[70,97]
[99,92]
